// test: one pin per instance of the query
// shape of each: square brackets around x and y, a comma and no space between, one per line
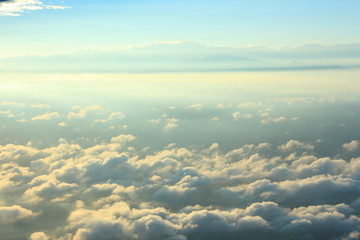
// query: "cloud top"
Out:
[352,146]
[107,191]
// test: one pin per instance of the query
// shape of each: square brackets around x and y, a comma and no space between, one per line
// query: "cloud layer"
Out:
[182,56]
[103,171]
[108,192]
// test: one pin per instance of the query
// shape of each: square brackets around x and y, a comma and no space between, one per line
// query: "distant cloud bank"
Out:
[185,56]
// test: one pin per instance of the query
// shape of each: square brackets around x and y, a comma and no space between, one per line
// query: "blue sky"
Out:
[109,23]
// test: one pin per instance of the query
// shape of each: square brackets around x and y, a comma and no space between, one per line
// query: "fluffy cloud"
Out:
[123,139]
[14,213]
[236,116]
[116,115]
[38,236]
[171,123]
[121,187]
[351,146]
[196,106]
[17,7]
[294,144]
[257,221]
[83,112]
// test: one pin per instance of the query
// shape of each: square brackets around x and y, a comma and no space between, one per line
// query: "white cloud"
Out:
[14,213]
[49,190]
[123,139]
[155,121]
[106,191]
[292,145]
[116,115]
[236,116]
[22,120]
[38,236]
[63,124]
[196,106]
[80,114]
[351,146]
[17,7]
[215,119]
[7,113]
[171,123]
[47,116]
[83,112]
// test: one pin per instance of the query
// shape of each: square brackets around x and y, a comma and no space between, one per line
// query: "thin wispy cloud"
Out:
[18,7]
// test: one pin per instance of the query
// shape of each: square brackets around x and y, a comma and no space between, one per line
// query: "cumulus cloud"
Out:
[123,139]
[14,213]
[18,7]
[120,188]
[351,146]
[155,121]
[196,106]
[38,236]
[47,116]
[292,145]
[237,115]
[116,115]
[171,123]
[84,112]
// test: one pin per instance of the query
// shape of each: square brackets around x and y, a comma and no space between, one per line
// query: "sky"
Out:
[179,120]
[73,25]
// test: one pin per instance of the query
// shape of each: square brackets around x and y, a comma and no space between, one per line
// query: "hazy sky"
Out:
[62,26]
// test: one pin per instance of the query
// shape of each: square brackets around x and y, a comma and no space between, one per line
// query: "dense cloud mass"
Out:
[120,186]
[108,192]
